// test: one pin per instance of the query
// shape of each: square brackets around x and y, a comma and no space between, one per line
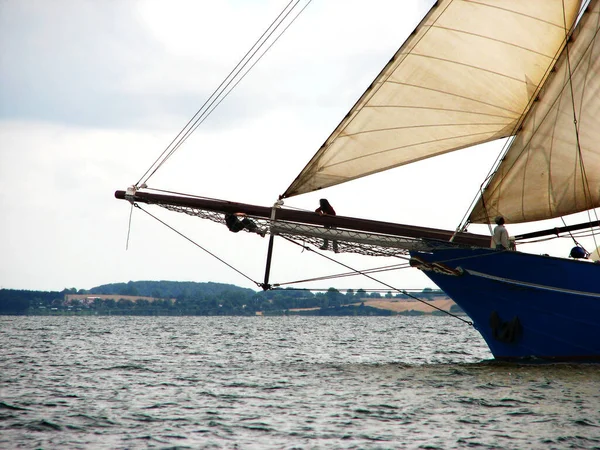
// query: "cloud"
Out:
[92,92]
[62,227]
[152,63]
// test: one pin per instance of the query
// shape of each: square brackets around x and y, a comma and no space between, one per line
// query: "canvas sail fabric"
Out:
[465,76]
[550,170]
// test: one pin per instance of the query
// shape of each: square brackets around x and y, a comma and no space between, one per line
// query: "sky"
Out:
[91,93]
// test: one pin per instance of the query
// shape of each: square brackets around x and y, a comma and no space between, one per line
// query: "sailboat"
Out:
[471,72]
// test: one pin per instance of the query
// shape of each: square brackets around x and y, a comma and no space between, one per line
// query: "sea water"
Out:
[281,383]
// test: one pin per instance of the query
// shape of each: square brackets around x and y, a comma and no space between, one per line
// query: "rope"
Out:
[348,274]
[507,145]
[232,74]
[363,243]
[218,95]
[129,228]
[586,184]
[348,242]
[541,287]
[585,180]
[214,105]
[198,245]
[468,322]
[573,237]
[345,289]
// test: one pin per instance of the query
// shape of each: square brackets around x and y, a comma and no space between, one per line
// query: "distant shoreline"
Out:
[367,307]
[167,298]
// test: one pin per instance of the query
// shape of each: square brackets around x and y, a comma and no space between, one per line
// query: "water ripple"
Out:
[282,382]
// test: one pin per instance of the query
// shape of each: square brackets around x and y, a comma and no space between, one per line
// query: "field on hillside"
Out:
[414,305]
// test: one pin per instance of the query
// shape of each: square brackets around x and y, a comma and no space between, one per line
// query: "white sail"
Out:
[465,76]
[553,166]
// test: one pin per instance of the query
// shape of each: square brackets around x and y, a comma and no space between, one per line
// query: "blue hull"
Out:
[525,306]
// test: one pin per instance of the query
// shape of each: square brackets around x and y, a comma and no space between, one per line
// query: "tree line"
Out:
[190,298]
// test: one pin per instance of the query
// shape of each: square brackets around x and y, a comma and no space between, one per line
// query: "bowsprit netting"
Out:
[340,240]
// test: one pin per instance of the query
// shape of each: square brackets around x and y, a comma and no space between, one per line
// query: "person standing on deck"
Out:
[500,238]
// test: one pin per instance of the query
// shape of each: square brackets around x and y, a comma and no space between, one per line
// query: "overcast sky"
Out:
[91,92]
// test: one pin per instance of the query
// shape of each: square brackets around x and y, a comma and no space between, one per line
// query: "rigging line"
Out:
[586,185]
[526,146]
[183,194]
[199,118]
[346,289]
[535,241]
[571,234]
[202,113]
[219,99]
[579,234]
[465,220]
[347,274]
[213,106]
[213,198]
[583,170]
[396,59]
[594,210]
[197,245]
[211,96]
[589,232]
[129,228]
[508,143]
[593,233]
[305,247]
[576,124]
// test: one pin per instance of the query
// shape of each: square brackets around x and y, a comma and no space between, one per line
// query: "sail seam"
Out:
[426,88]
[531,111]
[416,127]
[487,38]
[385,74]
[428,108]
[537,19]
[412,145]
[586,188]
[526,147]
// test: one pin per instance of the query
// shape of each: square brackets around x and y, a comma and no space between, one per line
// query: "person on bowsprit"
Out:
[325,209]
[235,224]
[500,238]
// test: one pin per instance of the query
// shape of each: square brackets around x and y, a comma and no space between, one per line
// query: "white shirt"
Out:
[500,237]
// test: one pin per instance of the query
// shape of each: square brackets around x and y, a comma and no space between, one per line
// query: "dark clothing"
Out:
[325,208]
[579,253]
[234,224]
